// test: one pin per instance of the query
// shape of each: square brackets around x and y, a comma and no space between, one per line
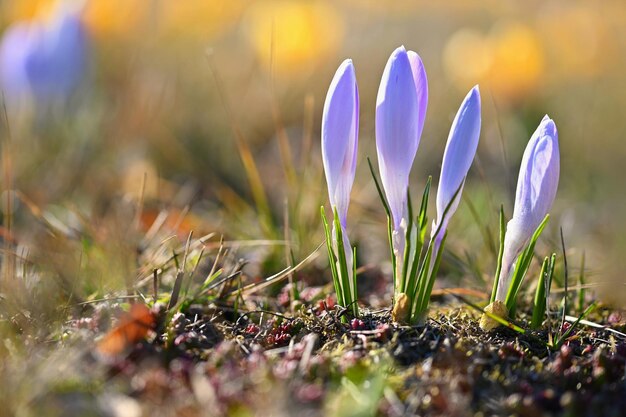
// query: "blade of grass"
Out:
[288,251]
[180,274]
[565,335]
[355,288]
[565,277]
[257,286]
[252,172]
[215,262]
[381,195]
[485,231]
[572,319]
[216,284]
[581,282]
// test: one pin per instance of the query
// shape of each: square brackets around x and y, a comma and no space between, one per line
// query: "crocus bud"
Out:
[44,61]
[340,130]
[457,159]
[400,111]
[536,188]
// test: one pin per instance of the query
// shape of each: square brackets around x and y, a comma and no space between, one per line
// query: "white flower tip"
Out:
[400,50]
[346,67]
[472,104]
[414,56]
[474,95]
[548,126]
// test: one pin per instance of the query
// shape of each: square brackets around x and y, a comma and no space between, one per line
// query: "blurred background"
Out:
[209,111]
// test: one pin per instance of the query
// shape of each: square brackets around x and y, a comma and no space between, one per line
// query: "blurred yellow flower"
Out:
[15,10]
[12,11]
[293,36]
[579,38]
[199,18]
[116,17]
[509,60]
[410,8]
[467,58]
[518,60]
[392,7]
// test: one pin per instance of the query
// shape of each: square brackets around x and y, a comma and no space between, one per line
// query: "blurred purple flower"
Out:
[400,111]
[457,160]
[340,131]
[14,51]
[46,62]
[536,188]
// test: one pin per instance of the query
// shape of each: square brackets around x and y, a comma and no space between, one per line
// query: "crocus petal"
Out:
[536,189]
[539,175]
[421,88]
[397,130]
[340,129]
[457,158]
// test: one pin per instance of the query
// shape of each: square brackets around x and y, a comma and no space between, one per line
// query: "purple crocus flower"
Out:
[400,111]
[536,188]
[340,131]
[457,160]
[44,61]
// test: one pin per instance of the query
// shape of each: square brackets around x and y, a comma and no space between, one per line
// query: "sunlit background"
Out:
[211,110]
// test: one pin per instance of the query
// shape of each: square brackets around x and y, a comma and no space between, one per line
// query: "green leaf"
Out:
[424,298]
[500,254]
[407,247]
[422,218]
[332,259]
[417,293]
[543,291]
[411,286]
[347,282]
[355,306]
[522,265]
